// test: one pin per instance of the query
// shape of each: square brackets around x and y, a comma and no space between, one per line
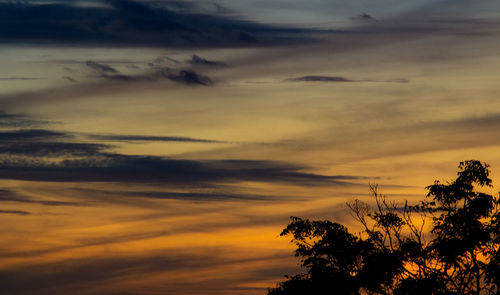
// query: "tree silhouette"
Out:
[446,244]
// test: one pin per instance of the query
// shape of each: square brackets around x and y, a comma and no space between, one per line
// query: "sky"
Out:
[160,147]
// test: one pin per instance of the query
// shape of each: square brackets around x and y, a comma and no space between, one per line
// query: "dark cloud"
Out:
[364,18]
[132,23]
[17,78]
[24,156]
[52,149]
[317,78]
[61,277]
[113,137]
[189,77]
[162,60]
[202,196]
[116,84]
[15,212]
[69,79]
[398,80]
[121,77]
[102,62]
[196,60]
[100,68]
[134,67]
[246,37]
[29,134]
[179,6]
[320,78]
[186,77]
[40,142]
[18,121]
[12,196]
[150,169]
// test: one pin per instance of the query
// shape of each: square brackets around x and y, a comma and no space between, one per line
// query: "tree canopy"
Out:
[446,244]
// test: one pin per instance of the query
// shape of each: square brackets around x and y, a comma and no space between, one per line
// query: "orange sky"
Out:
[135,169]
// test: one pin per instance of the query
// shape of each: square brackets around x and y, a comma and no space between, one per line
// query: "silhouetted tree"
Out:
[446,244]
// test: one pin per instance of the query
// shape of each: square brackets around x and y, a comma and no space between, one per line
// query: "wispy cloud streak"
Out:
[132,138]
[74,161]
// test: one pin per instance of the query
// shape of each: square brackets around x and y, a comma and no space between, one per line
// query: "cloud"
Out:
[55,143]
[188,77]
[192,226]
[46,155]
[113,137]
[17,78]
[11,196]
[414,137]
[52,149]
[187,196]
[320,78]
[16,121]
[363,18]
[151,169]
[61,277]
[162,60]
[317,78]
[104,83]
[196,60]
[397,80]
[68,78]
[15,212]
[40,143]
[132,23]
[29,134]
[100,68]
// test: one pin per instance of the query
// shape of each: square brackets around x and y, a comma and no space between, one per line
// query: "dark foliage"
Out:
[397,253]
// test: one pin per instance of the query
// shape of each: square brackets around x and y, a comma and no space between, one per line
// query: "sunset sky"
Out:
[160,147]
